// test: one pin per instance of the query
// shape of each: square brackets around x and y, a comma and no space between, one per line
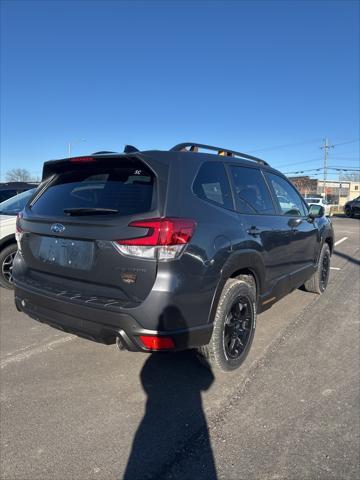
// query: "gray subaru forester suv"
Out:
[167,250]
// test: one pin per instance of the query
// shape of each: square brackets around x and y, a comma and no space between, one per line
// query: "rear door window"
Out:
[212,185]
[251,192]
[123,190]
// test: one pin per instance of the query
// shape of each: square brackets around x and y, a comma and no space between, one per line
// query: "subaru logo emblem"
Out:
[57,228]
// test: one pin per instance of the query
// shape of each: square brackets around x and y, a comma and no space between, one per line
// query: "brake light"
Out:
[164,240]
[162,231]
[157,343]
[82,160]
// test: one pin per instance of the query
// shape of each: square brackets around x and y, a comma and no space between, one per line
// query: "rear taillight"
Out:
[164,240]
[18,231]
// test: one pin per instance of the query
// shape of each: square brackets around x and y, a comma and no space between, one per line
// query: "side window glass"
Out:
[289,200]
[211,184]
[251,192]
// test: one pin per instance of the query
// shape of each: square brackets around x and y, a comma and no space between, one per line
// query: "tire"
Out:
[318,282]
[7,256]
[348,212]
[234,324]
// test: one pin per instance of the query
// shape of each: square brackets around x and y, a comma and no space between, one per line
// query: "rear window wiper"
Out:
[90,211]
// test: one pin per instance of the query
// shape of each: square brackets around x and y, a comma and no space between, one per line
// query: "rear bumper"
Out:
[100,324]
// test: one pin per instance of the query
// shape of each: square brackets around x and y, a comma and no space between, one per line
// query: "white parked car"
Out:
[8,247]
[285,204]
[319,201]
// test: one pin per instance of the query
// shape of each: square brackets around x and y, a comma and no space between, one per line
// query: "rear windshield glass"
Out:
[121,190]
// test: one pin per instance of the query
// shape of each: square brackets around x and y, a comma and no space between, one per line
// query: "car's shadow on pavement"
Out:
[173,384]
[349,258]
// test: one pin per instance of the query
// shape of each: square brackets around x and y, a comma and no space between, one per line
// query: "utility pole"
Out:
[325,147]
[70,144]
[339,193]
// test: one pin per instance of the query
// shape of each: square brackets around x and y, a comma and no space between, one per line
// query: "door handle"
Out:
[294,222]
[254,231]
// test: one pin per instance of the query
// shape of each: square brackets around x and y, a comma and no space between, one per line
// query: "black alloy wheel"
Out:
[238,327]
[234,324]
[325,271]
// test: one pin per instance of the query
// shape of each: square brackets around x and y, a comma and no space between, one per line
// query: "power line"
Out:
[288,145]
[301,171]
[308,161]
[297,163]
[345,169]
[342,166]
[345,158]
[297,144]
[347,143]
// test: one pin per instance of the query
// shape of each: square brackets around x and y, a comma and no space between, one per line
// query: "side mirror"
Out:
[316,211]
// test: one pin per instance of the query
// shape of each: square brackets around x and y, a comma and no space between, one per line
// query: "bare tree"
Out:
[18,175]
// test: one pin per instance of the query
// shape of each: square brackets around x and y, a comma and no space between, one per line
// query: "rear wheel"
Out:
[318,282]
[7,256]
[349,212]
[234,324]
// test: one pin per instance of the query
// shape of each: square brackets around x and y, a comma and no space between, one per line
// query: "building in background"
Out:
[354,190]
[307,186]
[336,192]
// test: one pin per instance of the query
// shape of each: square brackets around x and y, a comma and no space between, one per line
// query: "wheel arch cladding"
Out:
[240,263]
[330,242]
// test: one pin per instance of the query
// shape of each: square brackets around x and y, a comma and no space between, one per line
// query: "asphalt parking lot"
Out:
[72,409]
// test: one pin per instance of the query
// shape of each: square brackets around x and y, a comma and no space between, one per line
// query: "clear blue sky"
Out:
[245,75]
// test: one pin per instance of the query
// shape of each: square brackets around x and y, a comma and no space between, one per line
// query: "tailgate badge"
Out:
[57,228]
[128,277]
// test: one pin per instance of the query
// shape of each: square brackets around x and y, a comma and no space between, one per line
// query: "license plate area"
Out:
[64,252]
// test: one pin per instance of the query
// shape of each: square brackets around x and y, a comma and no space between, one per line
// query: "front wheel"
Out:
[234,324]
[318,282]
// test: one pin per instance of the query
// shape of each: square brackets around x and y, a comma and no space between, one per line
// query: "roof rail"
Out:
[194,147]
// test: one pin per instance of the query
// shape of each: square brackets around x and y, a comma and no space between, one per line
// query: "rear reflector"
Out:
[82,160]
[157,343]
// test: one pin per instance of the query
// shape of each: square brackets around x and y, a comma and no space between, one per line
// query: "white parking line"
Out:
[34,351]
[340,241]
[335,268]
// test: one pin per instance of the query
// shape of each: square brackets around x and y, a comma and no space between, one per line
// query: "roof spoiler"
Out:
[52,167]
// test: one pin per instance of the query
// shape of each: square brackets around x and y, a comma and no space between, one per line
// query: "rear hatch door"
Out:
[70,227]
